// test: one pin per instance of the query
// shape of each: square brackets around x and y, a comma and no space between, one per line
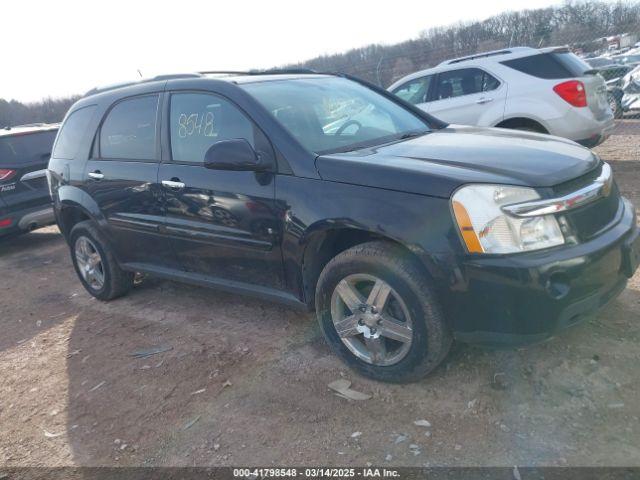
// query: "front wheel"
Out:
[379,313]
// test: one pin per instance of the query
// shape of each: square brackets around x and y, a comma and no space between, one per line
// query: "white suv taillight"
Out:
[572,92]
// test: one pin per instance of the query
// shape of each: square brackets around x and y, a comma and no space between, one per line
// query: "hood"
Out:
[439,162]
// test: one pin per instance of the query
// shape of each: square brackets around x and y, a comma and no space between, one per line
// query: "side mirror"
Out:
[234,154]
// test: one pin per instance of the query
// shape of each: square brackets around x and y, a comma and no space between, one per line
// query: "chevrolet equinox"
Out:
[328,193]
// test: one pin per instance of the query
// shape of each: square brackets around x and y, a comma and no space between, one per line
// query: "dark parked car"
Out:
[25,202]
[325,192]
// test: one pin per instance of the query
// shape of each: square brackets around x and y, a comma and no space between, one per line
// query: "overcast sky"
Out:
[62,47]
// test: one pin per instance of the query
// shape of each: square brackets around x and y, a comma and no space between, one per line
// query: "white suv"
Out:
[547,90]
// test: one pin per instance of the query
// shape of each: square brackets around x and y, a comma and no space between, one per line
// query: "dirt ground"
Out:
[244,382]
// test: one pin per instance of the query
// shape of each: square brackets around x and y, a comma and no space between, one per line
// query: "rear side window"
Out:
[465,81]
[72,133]
[198,120]
[550,66]
[26,148]
[129,131]
[415,91]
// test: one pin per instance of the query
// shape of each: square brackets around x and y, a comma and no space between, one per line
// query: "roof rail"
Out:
[173,76]
[286,71]
[271,71]
[492,53]
[106,88]
[223,72]
[157,78]
[35,124]
[30,125]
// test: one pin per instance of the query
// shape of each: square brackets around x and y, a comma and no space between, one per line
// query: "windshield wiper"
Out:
[376,142]
[413,133]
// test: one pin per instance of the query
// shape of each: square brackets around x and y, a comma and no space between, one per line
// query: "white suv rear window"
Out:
[550,66]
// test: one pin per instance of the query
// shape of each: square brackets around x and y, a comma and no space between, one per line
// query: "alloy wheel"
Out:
[89,263]
[371,319]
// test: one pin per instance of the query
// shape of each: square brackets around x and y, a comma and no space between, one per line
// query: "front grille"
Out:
[577,183]
[593,218]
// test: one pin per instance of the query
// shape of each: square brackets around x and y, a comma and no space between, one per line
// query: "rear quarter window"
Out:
[26,148]
[550,66]
[72,132]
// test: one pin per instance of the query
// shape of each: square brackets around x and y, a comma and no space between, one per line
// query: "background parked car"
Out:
[631,58]
[630,85]
[25,202]
[613,74]
[547,90]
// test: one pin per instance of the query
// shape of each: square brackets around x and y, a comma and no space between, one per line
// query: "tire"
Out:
[616,107]
[529,128]
[410,293]
[115,281]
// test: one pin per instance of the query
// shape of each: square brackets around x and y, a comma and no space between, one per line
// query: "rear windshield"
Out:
[550,66]
[26,147]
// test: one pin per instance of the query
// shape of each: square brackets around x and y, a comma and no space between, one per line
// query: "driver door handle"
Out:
[173,184]
[96,175]
[484,100]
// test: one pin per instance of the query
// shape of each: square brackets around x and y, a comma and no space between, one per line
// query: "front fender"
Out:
[421,224]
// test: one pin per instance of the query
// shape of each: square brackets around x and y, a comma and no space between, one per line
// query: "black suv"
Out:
[325,192]
[25,202]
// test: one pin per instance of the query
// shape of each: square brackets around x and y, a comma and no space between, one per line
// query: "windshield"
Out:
[332,114]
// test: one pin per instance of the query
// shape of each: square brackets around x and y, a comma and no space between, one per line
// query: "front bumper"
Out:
[528,297]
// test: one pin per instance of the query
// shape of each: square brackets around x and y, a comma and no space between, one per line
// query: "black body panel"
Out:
[439,162]
[224,224]
[130,199]
[261,233]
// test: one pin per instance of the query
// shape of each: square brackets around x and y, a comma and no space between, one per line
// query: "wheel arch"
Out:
[73,206]
[323,243]
[523,121]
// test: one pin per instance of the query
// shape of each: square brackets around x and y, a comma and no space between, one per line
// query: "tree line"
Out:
[581,24]
[48,110]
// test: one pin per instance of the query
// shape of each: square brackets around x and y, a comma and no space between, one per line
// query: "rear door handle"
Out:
[97,175]
[173,184]
[484,100]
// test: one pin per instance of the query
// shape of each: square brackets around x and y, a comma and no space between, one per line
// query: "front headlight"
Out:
[485,228]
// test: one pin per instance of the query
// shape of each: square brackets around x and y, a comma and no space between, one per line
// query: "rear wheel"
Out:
[378,312]
[95,264]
